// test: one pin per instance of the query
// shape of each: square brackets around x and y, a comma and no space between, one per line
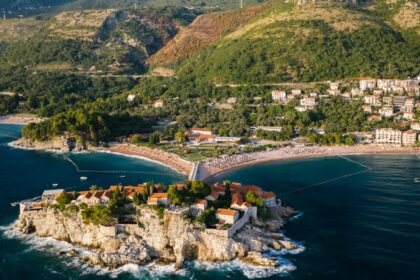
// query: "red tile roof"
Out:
[226,212]
[159,195]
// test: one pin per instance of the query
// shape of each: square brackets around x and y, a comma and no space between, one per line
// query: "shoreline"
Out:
[169,160]
[274,156]
[20,119]
[105,151]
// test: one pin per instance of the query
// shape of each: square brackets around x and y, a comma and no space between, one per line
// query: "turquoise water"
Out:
[360,214]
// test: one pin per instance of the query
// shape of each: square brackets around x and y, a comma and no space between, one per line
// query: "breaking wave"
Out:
[152,270]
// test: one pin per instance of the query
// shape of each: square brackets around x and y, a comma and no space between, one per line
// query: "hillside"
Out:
[287,42]
[95,40]
[204,30]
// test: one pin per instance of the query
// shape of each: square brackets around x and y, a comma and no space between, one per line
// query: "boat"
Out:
[122,176]
[55,184]
[83,178]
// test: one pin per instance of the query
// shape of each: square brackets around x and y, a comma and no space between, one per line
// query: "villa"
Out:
[158,199]
[227,216]
[94,197]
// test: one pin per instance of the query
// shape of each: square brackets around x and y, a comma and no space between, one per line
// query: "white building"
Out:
[356,92]
[408,115]
[386,111]
[279,96]
[227,216]
[372,100]
[409,138]
[308,102]
[200,204]
[399,101]
[388,136]
[367,84]
[296,92]
[158,199]
[385,83]
[378,92]
[415,126]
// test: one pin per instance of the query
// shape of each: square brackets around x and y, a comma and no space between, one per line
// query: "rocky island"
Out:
[145,223]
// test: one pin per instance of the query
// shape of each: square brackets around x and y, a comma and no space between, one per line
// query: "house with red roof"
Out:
[227,216]
[200,204]
[269,199]
[219,188]
[94,197]
[213,196]
[158,199]
[238,202]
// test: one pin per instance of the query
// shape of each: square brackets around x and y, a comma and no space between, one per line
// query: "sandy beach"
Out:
[20,119]
[217,166]
[171,160]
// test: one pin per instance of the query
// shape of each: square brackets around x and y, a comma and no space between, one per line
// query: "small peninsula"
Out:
[149,222]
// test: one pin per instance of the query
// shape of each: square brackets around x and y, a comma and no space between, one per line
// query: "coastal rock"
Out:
[59,143]
[256,258]
[167,239]
[287,245]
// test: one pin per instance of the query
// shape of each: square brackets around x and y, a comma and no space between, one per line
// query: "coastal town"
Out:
[232,204]
[185,221]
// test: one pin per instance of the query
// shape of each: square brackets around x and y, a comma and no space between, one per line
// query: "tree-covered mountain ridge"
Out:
[297,41]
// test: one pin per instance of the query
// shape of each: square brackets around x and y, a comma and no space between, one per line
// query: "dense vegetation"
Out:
[121,44]
[323,54]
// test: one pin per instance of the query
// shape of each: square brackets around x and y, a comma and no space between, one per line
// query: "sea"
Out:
[359,216]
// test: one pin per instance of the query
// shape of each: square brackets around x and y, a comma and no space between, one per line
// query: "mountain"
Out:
[34,7]
[99,40]
[287,41]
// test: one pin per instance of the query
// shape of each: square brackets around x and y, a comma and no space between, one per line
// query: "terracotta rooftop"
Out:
[159,195]
[226,212]
[201,201]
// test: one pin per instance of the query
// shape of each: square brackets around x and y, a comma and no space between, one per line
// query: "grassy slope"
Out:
[307,43]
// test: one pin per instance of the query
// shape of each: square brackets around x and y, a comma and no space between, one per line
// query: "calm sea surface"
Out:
[360,215]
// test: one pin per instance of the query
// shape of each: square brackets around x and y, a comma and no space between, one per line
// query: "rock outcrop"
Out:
[59,143]
[168,239]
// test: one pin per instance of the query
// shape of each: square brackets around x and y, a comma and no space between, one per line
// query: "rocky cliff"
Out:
[170,239]
[59,143]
